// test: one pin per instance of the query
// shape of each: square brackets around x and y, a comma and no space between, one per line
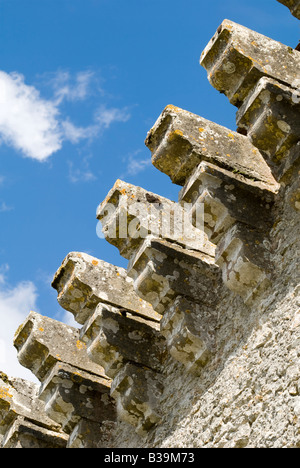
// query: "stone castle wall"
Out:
[197,343]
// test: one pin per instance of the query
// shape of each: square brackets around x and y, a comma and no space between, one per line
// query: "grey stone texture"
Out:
[197,343]
[237,58]
[179,141]
[129,214]
[83,281]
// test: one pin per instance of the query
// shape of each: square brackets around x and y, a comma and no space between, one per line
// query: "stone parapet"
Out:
[237,58]
[83,281]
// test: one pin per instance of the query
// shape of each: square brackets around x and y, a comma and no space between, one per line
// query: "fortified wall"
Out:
[197,343]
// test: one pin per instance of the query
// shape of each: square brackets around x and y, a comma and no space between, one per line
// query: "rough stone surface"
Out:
[237,57]
[270,115]
[25,434]
[180,141]
[137,392]
[293,5]
[129,214]
[83,281]
[219,366]
[71,394]
[162,270]
[248,394]
[228,197]
[41,342]
[114,337]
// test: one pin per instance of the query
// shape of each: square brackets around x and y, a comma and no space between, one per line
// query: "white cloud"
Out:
[136,165]
[4,208]
[36,127]
[105,116]
[15,304]
[66,88]
[27,122]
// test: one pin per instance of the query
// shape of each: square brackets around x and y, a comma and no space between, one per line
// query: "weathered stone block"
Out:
[244,258]
[270,114]
[228,197]
[180,141]
[129,214]
[293,5]
[25,434]
[19,397]
[42,342]
[88,434]
[237,57]
[114,337]
[83,281]
[162,270]
[70,394]
[137,391]
[189,329]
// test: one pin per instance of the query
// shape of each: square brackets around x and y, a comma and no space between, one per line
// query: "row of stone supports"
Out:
[182,258]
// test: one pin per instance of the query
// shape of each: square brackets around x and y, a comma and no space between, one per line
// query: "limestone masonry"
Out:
[197,343]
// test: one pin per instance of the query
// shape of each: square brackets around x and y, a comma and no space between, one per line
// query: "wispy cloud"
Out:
[72,89]
[82,173]
[136,164]
[15,304]
[4,208]
[36,127]
[106,116]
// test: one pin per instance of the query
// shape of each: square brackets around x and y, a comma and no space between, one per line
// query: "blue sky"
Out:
[81,83]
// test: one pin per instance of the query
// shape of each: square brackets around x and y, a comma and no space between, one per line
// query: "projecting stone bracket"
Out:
[137,391]
[180,141]
[237,58]
[189,329]
[270,114]
[130,214]
[23,420]
[226,198]
[114,337]
[244,257]
[26,434]
[83,281]
[41,342]
[71,394]
[162,270]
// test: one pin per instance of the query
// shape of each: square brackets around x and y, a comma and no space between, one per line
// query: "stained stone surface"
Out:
[237,57]
[114,337]
[270,114]
[41,342]
[162,270]
[130,214]
[83,281]
[180,141]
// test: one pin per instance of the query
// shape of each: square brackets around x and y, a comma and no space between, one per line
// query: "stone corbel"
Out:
[237,58]
[270,115]
[83,281]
